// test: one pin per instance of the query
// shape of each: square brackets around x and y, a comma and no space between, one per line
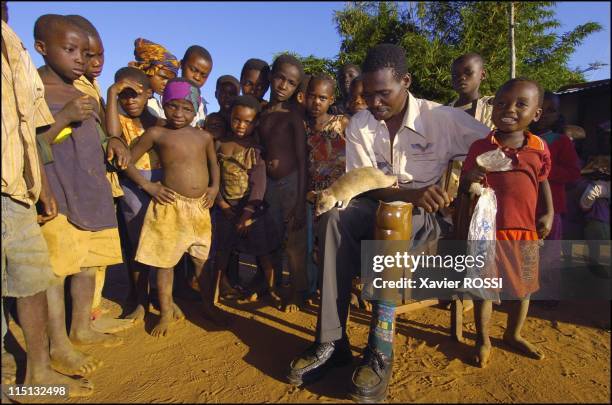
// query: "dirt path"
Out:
[247,363]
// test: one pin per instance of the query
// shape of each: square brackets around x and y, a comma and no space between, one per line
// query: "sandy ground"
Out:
[248,361]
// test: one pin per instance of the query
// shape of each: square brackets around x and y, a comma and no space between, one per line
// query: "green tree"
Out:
[435,33]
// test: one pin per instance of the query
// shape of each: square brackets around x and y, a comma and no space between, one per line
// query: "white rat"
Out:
[349,185]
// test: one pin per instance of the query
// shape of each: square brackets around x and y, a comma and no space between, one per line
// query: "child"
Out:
[240,199]
[517,104]
[128,117]
[178,220]
[84,235]
[254,79]
[565,169]
[282,135]
[159,65]
[346,74]
[26,270]
[300,95]
[595,203]
[228,87]
[356,102]
[88,84]
[467,73]
[196,66]
[326,152]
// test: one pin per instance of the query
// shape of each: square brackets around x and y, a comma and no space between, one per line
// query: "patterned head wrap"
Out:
[181,89]
[150,57]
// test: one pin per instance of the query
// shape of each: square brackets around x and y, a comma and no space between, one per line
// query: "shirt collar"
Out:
[533,141]
[413,113]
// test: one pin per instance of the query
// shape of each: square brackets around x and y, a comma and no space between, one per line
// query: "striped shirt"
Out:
[23,110]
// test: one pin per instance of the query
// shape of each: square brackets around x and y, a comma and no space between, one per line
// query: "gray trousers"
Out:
[340,234]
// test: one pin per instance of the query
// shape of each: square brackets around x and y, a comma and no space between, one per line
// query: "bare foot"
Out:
[73,362]
[249,298]
[483,355]
[137,314]
[77,387]
[111,325]
[519,343]
[177,314]
[9,368]
[163,326]
[91,337]
[458,338]
[272,297]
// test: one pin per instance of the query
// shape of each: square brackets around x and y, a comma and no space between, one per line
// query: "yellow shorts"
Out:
[71,248]
[170,230]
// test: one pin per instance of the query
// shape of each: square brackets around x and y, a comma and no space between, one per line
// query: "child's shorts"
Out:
[26,270]
[170,230]
[71,248]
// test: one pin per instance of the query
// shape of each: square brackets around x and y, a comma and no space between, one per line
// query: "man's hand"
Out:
[209,196]
[116,149]
[47,206]
[79,109]
[544,225]
[160,193]
[432,198]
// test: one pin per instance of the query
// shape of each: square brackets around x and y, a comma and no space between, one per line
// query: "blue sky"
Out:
[236,31]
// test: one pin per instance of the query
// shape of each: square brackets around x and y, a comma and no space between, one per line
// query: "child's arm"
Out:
[157,191]
[78,109]
[545,221]
[299,217]
[47,203]
[113,126]
[213,172]
[257,180]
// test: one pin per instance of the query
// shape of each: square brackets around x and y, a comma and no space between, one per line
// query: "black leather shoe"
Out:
[318,359]
[371,379]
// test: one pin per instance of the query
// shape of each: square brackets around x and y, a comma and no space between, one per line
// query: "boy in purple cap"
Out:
[178,220]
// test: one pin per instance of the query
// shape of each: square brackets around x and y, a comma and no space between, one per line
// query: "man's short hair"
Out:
[288,59]
[386,56]
[199,51]
[135,74]
[256,64]
[247,101]
[524,80]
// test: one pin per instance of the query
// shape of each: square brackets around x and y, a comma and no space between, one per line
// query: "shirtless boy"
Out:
[282,135]
[178,220]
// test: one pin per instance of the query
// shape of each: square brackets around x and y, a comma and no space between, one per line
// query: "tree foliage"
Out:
[435,33]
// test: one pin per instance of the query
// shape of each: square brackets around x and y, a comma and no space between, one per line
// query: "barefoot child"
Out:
[255,80]
[242,222]
[178,220]
[326,153]
[128,117]
[196,66]
[517,104]
[282,135]
[84,234]
[228,87]
[159,65]
[88,84]
[26,270]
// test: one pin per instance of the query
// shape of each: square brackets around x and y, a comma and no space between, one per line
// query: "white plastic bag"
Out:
[481,242]
[494,161]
